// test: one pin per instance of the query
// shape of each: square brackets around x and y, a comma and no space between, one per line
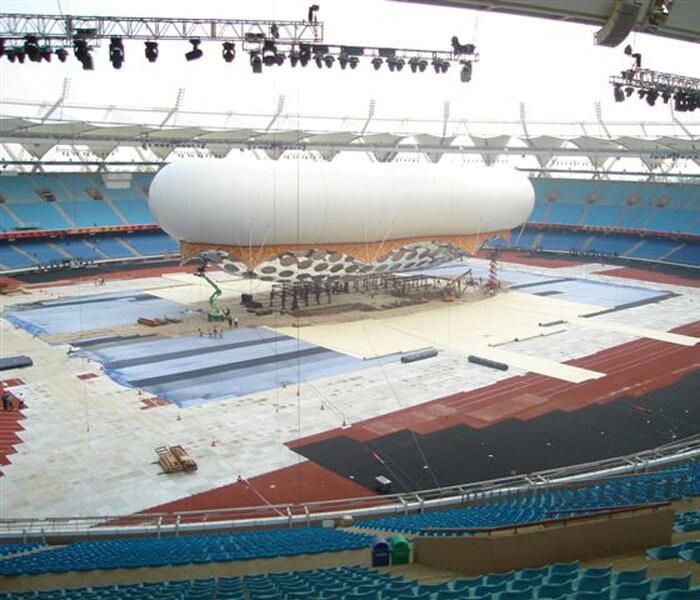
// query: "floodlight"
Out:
[151,51]
[343,59]
[413,63]
[61,54]
[82,53]
[619,94]
[195,53]
[465,75]
[280,59]
[318,59]
[400,64]
[116,52]
[377,63]
[354,61]
[269,53]
[228,51]
[304,54]
[256,62]
[31,48]
[46,52]
[422,65]
[391,63]
[652,95]
[444,66]
[329,59]
[294,57]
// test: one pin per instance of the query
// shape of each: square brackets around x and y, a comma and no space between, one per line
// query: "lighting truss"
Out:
[300,41]
[654,83]
[60,30]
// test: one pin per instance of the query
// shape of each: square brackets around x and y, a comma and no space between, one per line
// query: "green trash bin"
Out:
[400,550]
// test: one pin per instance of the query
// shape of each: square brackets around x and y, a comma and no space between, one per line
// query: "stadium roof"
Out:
[681,23]
[33,138]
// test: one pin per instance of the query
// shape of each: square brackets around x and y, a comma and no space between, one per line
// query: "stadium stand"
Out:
[357,582]
[637,489]
[687,521]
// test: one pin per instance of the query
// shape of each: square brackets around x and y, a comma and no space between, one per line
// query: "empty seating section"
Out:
[563,241]
[112,247]
[78,248]
[360,583]
[565,213]
[687,521]
[92,213]
[688,254]
[152,243]
[39,250]
[611,244]
[135,211]
[11,258]
[633,205]
[684,551]
[42,215]
[636,489]
[653,249]
[159,552]
[9,549]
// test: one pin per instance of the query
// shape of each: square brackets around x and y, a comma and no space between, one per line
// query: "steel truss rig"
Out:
[653,85]
[268,43]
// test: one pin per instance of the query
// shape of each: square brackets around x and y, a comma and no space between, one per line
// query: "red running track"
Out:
[653,276]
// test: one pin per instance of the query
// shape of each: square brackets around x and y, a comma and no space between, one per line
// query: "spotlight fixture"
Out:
[437,64]
[377,63]
[83,54]
[61,54]
[31,48]
[619,94]
[318,59]
[228,51]
[11,54]
[46,52]
[652,95]
[391,63]
[400,64]
[629,91]
[329,59]
[465,75]
[195,53]
[343,59]
[304,54]
[269,53]
[444,66]
[116,52]
[2,47]
[458,48]
[294,57]
[256,62]
[151,51]
[354,61]
[280,59]
[422,65]
[312,13]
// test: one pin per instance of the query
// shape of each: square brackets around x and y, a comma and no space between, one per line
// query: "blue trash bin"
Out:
[380,552]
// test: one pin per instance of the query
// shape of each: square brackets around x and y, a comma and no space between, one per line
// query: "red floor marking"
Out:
[12,382]
[153,403]
[653,276]
[87,376]
[9,426]
[304,482]
[690,329]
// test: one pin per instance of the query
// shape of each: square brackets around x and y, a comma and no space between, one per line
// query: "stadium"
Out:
[505,410]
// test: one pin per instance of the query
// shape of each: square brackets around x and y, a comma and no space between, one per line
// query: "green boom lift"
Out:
[215,313]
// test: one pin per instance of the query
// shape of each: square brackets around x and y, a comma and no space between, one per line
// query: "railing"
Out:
[290,515]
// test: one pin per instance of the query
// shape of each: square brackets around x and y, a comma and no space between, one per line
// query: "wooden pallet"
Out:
[167,460]
[187,463]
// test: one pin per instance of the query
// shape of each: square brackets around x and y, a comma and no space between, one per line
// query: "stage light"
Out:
[195,53]
[437,64]
[400,64]
[256,62]
[151,51]
[652,95]
[312,13]
[46,52]
[31,48]
[228,51]
[294,57]
[280,59]
[304,54]
[329,59]
[377,63]
[665,96]
[619,94]
[458,48]
[116,52]
[445,66]
[61,54]
[465,75]
[318,59]
[2,47]
[11,54]
[422,65]
[82,53]
[413,63]
[391,63]
[629,91]
[269,53]
[354,61]
[343,59]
